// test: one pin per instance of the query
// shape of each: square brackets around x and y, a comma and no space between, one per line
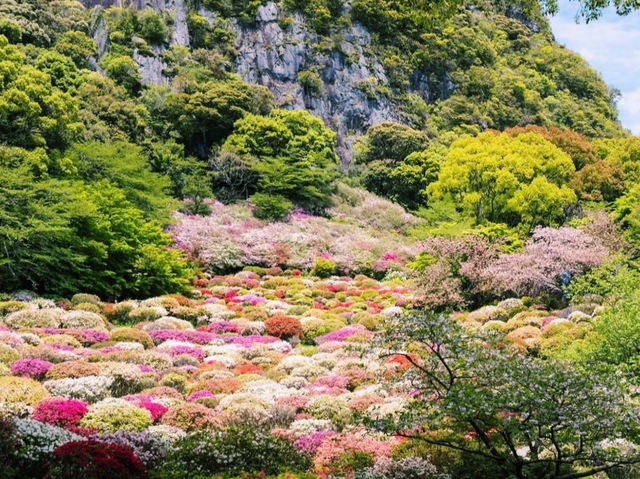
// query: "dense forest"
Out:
[374,239]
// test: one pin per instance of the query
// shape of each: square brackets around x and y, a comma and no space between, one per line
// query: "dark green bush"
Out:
[232,451]
[270,207]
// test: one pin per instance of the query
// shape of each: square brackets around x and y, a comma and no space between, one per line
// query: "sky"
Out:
[611,45]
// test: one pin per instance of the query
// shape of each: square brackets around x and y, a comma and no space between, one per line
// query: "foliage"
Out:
[293,155]
[58,239]
[627,214]
[123,70]
[124,165]
[323,267]
[498,178]
[207,115]
[8,443]
[599,181]
[270,207]
[115,415]
[19,389]
[615,331]
[232,451]
[390,141]
[77,46]
[592,9]
[574,144]
[554,410]
[34,112]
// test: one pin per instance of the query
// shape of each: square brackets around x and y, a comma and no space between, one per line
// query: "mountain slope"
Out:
[486,66]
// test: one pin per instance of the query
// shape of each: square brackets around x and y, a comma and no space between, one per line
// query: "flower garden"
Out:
[263,371]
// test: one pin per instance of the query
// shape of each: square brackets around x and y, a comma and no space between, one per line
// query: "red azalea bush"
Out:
[60,412]
[95,460]
[283,326]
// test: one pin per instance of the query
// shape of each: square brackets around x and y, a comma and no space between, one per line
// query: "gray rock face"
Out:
[351,95]
[349,100]
[151,67]
[180,34]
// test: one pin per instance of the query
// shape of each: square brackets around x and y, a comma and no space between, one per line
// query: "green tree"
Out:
[390,141]
[623,153]
[483,173]
[33,111]
[627,214]
[196,189]
[207,115]
[124,71]
[125,165]
[528,417]
[109,113]
[77,46]
[270,208]
[541,203]
[293,155]
[126,253]
[38,250]
[59,237]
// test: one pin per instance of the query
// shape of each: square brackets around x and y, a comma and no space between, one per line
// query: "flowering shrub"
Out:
[38,441]
[20,389]
[88,388]
[95,460]
[132,334]
[230,239]
[72,369]
[236,370]
[156,409]
[405,468]
[113,415]
[34,318]
[60,412]
[549,255]
[149,447]
[233,451]
[8,354]
[335,447]
[192,417]
[82,320]
[283,326]
[33,368]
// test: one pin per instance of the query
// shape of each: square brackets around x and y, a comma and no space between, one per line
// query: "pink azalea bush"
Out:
[60,411]
[33,368]
[549,254]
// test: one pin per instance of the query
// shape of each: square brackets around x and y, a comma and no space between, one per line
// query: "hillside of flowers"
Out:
[280,362]
[361,234]
[263,371]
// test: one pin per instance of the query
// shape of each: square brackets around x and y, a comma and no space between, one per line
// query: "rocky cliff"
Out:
[345,96]
[345,85]
[491,66]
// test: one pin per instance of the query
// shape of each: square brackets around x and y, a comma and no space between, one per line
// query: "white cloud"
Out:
[629,106]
